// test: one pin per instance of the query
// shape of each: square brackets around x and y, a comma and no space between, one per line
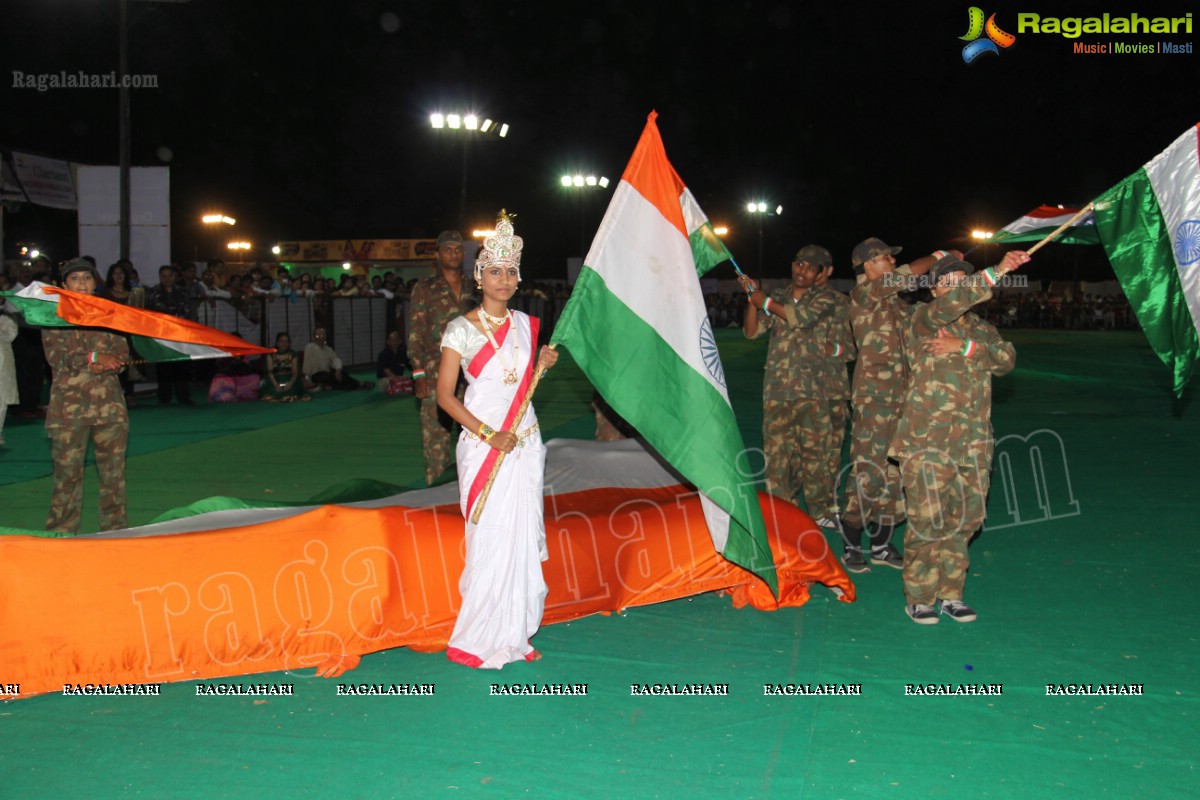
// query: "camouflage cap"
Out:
[814,254]
[76,265]
[867,249]
[945,265]
[449,237]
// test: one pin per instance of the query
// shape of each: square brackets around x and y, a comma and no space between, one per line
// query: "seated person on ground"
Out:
[391,366]
[323,368]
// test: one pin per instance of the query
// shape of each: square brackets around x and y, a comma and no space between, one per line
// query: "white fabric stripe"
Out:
[1049,223]
[647,264]
[34,292]
[572,465]
[193,350]
[693,215]
[1175,177]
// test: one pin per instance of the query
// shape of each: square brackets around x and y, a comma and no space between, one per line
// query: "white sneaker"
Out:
[832,523]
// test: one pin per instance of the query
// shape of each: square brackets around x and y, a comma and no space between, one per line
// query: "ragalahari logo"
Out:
[976,27]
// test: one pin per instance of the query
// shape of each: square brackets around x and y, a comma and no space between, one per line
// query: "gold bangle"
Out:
[485,431]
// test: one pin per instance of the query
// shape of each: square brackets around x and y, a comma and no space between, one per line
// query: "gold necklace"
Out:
[508,371]
[497,321]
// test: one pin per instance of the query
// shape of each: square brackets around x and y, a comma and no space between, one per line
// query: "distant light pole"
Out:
[124,134]
[761,210]
[213,221]
[576,183]
[984,239]
[467,127]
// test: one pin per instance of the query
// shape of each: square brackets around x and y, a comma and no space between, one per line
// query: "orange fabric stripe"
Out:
[325,587]
[90,311]
[652,176]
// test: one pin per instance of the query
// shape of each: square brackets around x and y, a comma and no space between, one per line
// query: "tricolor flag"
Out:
[1149,225]
[1039,223]
[637,325]
[156,336]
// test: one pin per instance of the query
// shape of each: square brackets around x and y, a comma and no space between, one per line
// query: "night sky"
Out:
[310,121]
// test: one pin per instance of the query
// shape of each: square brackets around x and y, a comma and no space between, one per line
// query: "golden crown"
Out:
[501,249]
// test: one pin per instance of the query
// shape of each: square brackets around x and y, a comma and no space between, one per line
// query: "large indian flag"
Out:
[156,337]
[637,325]
[1149,225]
[1042,221]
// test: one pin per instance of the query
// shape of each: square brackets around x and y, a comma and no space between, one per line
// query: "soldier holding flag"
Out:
[944,442]
[86,401]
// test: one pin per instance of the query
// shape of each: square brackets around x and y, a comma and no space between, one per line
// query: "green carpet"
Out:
[1094,592]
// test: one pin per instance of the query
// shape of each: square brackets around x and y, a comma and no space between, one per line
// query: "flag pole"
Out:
[483,496]
[1083,212]
[738,270]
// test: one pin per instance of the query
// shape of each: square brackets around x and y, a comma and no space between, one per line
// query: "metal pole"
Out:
[582,234]
[124,126]
[462,203]
[760,246]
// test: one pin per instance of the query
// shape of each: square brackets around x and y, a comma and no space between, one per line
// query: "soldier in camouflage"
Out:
[435,301]
[795,408]
[943,442]
[840,351]
[86,401]
[879,318]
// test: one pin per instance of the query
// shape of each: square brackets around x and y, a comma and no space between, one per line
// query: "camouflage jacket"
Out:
[840,349]
[432,306]
[879,318]
[948,407]
[796,353]
[77,396]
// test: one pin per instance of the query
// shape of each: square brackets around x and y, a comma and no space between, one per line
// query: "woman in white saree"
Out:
[503,591]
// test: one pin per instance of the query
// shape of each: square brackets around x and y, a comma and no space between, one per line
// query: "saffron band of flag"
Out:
[156,336]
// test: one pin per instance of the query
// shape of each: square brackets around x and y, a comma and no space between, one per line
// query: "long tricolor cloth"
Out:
[1043,220]
[637,325]
[1149,225]
[156,336]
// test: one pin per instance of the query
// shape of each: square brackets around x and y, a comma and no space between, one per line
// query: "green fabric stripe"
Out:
[356,490]
[647,383]
[1080,234]
[155,352]
[43,313]
[707,248]
[1135,236]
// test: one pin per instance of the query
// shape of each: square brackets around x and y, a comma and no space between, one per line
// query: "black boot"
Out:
[852,555]
[882,551]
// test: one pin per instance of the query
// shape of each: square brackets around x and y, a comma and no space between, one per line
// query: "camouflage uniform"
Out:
[944,441]
[83,405]
[795,407]
[840,350]
[433,306]
[879,318]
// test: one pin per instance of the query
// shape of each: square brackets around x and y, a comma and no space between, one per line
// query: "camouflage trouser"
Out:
[437,439]
[946,505]
[873,492]
[68,447]
[795,442]
[839,415]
